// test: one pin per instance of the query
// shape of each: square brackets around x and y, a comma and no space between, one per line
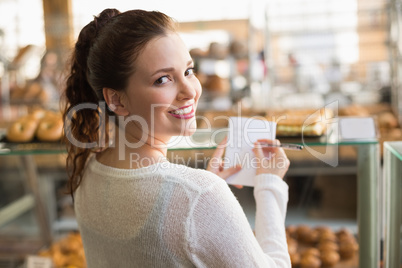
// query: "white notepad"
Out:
[243,132]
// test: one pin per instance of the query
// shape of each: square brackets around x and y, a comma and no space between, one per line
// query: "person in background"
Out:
[134,208]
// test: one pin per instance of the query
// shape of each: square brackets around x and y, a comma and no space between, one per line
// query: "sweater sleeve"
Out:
[220,235]
[271,195]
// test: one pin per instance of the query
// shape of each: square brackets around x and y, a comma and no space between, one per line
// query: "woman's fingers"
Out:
[216,164]
[270,159]
[216,160]
[226,173]
[262,152]
[220,149]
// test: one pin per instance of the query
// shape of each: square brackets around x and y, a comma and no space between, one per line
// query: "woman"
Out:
[133,207]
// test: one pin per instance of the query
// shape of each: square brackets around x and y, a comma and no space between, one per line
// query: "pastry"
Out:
[22,130]
[329,258]
[348,248]
[310,261]
[294,259]
[50,128]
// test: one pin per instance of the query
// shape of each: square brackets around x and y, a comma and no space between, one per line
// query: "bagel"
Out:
[50,128]
[22,130]
[38,114]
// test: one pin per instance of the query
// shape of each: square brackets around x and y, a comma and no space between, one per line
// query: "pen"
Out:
[288,146]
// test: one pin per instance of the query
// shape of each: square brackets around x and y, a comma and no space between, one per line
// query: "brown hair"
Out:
[103,56]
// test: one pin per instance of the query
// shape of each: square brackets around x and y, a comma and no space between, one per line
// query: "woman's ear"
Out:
[112,98]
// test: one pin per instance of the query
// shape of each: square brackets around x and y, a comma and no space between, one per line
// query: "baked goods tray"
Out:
[300,139]
[34,146]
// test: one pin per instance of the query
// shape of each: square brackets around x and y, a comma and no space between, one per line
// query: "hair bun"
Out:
[103,18]
[88,35]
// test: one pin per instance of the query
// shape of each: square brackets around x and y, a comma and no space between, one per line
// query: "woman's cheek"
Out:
[198,88]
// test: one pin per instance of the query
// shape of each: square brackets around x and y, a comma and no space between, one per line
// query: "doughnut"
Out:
[347,249]
[302,230]
[307,235]
[292,245]
[294,259]
[50,128]
[291,230]
[344,234]
[310,261]
[311,237]
[329,258]
[22,130]
[328,236]
[328,245]
[311,251]
[323,229]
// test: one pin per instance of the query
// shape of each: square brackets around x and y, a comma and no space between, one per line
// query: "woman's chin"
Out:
[189,131]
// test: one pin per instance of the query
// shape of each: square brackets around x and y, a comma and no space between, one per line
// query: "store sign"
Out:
[38,262]
[357,128]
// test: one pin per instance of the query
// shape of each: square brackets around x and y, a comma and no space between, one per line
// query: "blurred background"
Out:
[264,54]
[264,58]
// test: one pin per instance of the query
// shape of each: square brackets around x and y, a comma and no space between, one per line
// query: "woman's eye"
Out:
[162,80]
[189,71]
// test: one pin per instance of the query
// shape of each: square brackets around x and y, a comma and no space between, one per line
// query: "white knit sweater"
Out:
[168,215]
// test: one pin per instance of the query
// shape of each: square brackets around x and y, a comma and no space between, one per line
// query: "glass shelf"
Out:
[200,140]
[395,148]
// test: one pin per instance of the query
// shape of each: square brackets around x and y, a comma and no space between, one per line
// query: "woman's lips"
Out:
[185,112]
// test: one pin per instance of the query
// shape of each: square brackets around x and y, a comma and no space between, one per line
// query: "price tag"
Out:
[357,128]
[38,262]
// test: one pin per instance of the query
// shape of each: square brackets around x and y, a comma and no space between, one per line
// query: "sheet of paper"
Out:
[243,132]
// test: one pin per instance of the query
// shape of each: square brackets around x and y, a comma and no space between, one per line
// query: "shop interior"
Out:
[288,61]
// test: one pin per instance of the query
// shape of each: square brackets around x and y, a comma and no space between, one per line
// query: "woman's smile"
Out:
[185,112]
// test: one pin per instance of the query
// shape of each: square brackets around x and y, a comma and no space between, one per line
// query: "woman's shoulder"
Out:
[194,176]
[185,175]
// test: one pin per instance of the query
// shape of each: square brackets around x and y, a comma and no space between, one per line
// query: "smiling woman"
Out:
[172,92]
[133,207]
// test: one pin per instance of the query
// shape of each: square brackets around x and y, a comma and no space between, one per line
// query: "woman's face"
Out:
[163,91]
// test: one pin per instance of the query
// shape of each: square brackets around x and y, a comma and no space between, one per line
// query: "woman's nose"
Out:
[187,89]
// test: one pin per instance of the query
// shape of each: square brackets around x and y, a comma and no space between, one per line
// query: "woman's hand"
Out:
[270,159]
[215,164]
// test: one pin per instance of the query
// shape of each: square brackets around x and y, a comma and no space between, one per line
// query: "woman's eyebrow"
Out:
[164,70]
[170,69]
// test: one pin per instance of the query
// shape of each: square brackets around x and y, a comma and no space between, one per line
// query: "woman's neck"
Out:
[127,151]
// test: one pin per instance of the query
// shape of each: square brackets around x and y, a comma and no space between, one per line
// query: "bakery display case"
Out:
[393,201]
[24,212]
[203,142]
